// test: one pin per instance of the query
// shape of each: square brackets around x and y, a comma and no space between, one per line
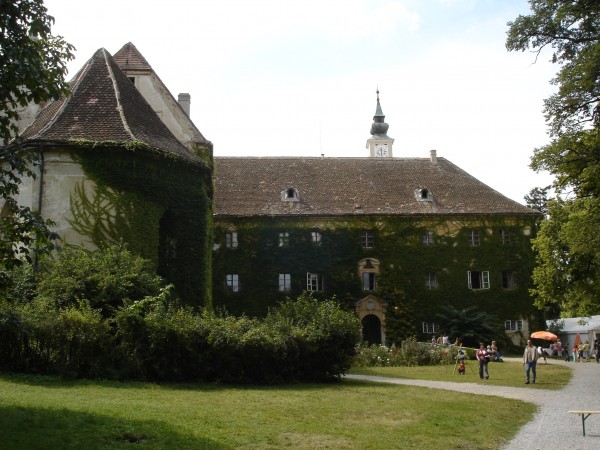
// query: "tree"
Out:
[32,69]
[470,325]
[567,255]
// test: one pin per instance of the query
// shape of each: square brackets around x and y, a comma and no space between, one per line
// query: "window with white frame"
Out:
[284,239]
[232,282]
[231,239]
[474,238]
[368,239]
[513,325]
[315,237]
[428,237]
[431,281]
[285,282]
[314,282]
[478,280]
[430,327]
[508,279]
[368,281]
[505,237]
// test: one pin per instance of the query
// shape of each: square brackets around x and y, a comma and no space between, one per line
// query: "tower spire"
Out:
[379,127]
[380,144]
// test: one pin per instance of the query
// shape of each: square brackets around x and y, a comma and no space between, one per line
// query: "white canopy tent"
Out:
[587,327]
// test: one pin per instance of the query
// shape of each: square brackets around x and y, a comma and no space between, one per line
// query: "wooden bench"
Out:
[584,415]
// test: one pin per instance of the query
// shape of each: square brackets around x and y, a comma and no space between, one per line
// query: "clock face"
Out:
[381,150]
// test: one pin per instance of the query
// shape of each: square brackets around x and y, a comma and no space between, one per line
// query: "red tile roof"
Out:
[351,186]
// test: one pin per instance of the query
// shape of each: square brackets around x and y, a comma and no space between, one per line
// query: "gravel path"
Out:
[553,427]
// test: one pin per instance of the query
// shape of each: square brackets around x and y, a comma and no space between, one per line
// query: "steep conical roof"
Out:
[105,107]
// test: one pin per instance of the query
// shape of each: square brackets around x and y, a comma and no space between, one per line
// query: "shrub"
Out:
[412,353]
[107,278]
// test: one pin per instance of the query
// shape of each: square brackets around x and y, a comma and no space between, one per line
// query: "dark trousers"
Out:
[483,368]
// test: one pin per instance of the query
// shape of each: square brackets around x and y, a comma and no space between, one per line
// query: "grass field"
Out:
[549,376]
[39,412]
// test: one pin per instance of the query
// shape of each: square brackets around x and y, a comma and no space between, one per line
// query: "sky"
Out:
[299,78]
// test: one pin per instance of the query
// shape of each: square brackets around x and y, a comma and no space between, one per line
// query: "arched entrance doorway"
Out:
[371,329]
[371,312]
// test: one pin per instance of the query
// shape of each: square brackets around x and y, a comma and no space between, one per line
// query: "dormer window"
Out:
[423,195]
[290,195]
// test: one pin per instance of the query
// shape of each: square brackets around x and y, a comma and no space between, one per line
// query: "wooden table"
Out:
[584,415]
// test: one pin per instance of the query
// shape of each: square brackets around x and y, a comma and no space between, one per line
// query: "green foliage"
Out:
[24,234]
[411,353]
[107,279]
[567,263]
[568,258]
[471,325]
[32,69]
[34,62]
[572,30]
[162,211]
[158,338]
[109,217]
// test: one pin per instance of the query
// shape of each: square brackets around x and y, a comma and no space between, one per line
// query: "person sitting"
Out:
[496,353]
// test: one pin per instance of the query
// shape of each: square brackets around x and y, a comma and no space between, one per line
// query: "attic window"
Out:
[132,79]
[290,195]
[423,195]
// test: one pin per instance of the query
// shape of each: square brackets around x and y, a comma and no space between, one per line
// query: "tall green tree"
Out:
[32,69]
[568,258]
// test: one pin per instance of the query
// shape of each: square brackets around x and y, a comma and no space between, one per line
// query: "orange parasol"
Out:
[545,335]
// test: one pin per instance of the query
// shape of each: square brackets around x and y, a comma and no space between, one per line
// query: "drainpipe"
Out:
[40,193]
[41,186]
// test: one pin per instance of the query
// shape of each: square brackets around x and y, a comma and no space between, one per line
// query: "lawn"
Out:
[39,412]
[549,376]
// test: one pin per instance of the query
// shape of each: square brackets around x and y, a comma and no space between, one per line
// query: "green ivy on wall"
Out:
[161,207]
[404,265]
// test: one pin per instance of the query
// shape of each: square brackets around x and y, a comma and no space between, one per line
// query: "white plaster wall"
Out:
[167,108]
[61,175]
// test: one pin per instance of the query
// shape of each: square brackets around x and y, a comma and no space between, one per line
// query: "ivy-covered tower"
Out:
[112,171]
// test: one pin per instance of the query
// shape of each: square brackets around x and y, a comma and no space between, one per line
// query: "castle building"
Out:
[394,238]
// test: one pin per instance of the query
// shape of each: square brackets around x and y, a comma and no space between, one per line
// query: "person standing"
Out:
[483,357]
[530,356]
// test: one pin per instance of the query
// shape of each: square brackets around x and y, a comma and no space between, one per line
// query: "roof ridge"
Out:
[117,93]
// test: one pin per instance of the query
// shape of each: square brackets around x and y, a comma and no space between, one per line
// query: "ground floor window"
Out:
[513,325]
[285,282]
[508,280]
[314,282]
[232,281]
[430,327]
[431,281]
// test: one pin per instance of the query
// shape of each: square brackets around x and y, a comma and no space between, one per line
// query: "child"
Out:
[461,362]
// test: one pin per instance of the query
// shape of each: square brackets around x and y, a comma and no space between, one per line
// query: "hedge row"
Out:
[157,339]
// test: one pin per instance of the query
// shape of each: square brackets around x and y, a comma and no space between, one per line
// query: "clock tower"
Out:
[380,145]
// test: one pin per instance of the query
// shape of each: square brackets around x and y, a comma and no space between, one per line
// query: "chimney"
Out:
[433,156]
[184,101]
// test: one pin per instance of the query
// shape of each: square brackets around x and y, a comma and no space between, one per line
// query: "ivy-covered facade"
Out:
[394,239]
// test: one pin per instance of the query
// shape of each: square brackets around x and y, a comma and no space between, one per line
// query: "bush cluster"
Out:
[81,330]
[411,353]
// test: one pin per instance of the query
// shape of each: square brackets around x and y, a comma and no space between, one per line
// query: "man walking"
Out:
[530,356]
